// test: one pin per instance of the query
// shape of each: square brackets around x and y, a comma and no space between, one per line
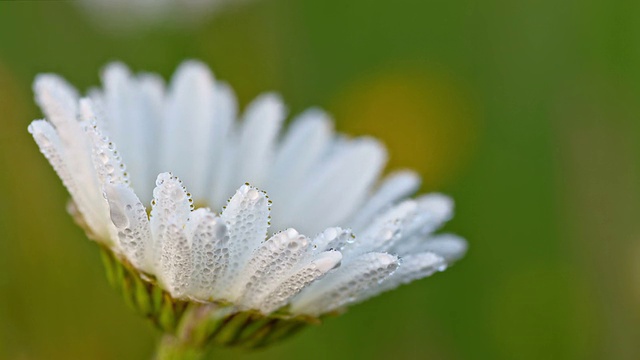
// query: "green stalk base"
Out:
[191,327]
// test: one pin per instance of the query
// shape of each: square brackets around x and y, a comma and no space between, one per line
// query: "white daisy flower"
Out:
[334,235]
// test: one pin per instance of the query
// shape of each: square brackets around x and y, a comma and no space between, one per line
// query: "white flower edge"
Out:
[205,256]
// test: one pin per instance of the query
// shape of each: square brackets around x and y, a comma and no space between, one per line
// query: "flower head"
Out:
[334,234]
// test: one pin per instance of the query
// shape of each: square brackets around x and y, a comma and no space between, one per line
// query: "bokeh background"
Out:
[526,112]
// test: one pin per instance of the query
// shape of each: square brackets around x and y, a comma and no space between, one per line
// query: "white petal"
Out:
[260,126]
[269,266]
[223,146]
[52,148]
[345,284]
[412,267]
[297,281]
[189,125]
[132,110]
[333,239]
[58,101]
[150,97]
[306,140]
[387,229]
[120,101]
[171,205]
[130,218]
[210,252]
[224,185]
[307,137]
[176,265]
[395,186]
[439,207]
[247,217]
[449,246]
[169,215]
[432,212]
[337,187]
[106,159]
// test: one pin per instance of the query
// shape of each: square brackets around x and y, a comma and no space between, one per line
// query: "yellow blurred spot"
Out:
[425,119]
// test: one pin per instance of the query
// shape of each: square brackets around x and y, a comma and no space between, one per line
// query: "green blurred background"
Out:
[526,112]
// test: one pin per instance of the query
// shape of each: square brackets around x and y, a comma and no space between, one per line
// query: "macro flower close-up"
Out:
[207,214]
[319,179]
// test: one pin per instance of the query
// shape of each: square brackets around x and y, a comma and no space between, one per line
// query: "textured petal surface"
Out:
[247,216]
[345,284]
[296,281]
[270,264]
[130,218]
[171,205]
[210,252]
[413,267]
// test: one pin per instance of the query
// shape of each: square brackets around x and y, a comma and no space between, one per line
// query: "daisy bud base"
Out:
[196,326]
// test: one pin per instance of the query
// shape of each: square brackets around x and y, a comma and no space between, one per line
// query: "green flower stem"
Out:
[171,348]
